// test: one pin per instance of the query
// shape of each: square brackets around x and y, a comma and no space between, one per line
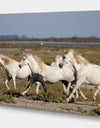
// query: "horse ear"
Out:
[71,50]
[23,53]
[65,52]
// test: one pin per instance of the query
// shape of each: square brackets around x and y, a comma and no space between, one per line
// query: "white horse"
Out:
[50,74]
[56,63]
[13,71]
[86,72]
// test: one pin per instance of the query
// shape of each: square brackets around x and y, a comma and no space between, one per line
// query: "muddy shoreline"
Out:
[78,107]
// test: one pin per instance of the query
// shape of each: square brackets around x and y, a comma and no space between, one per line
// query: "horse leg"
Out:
[37,87]
[69,86]
[79,82]
[95,94]
[77,94]
[39,79]
[65,84]
[65,90]
[14,82]
[44,87]
[84,97]
[6,82]
[28,87]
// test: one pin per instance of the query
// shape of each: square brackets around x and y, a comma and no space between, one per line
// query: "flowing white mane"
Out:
[57,57]
[37,59]
[79,59]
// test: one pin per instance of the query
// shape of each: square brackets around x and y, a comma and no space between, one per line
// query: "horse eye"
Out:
[63,57]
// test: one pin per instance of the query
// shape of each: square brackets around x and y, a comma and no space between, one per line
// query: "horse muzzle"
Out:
[61,65]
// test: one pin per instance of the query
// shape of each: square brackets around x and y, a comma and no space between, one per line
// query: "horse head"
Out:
[65,59]
[24,61]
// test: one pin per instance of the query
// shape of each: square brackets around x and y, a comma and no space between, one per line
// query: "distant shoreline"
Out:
[49,42]
[73,40]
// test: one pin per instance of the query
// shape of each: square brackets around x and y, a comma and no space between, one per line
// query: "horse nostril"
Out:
[60,65]
[19,66]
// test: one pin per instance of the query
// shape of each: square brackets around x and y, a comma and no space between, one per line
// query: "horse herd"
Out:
[72,70]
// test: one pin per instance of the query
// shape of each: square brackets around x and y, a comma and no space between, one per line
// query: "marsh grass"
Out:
[54,94]
[7,99]
[13,92]
[48,97]
[95,111]
[51,48]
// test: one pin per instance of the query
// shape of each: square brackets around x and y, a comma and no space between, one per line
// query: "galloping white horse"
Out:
[13,71]
[86,72]
[56,63]
[50,74]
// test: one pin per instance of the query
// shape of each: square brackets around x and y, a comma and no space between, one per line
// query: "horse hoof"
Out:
[77,97]
[86,98]
[67,93]
[37,93]
[67,100]
[23,94]
[98,105]
[94,99]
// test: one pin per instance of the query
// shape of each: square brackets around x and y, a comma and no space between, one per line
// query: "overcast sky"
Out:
[63,24]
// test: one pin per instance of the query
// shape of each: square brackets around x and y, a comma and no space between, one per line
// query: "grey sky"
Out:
[59,24]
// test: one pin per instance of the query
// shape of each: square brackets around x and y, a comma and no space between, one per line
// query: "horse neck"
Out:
[34,66]
[55,64]
[69,65]
[75,65]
